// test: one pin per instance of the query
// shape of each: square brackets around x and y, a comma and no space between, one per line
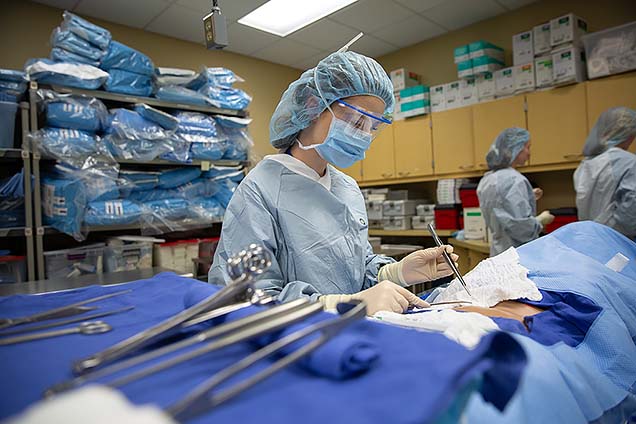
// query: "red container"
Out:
[447,217]
[468,195]
[562,216]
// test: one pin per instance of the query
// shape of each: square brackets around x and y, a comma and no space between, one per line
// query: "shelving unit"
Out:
[116,99]
[23,155]
[409,233]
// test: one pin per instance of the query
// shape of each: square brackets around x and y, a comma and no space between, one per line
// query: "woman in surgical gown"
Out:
[605,182]
[312,216]
[506,198]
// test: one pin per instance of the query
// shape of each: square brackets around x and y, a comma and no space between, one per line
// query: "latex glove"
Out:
[538,193]
[545,218]
[422,265]
[384,296]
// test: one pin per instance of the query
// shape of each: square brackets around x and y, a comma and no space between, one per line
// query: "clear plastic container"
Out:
[7,124]
[74,262]
[128,256]
[12,269]
[611,51]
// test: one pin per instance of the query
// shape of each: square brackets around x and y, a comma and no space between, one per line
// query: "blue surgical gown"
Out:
[606,190]
[509,208]
[318,237]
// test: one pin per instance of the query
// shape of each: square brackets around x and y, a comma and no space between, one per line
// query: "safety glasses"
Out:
[360,119]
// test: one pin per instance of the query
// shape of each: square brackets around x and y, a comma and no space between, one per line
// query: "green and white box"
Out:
[468,92]
[522,48]
[474,224]
[465,69]
[504,82]
[484,48]
[524,77]
[461,54]
[418,92]
[484,64]
[567,29]
[415,108]
[543,71]
[438,98]
[568,65]
[485,86]
[452,94]
[541,39]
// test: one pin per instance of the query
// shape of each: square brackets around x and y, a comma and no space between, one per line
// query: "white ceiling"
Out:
[388,24]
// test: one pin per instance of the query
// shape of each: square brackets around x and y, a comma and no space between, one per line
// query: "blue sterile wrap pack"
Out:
[74,112]
[173,76]
[200,132]
[112,212]
[171,178]
[125,82]
[178,94]
[233,173]
[131,136]
[131,181]
[90,32]
[161,118]
[77,75]
[220,77]
[168,209]
[123,57]
[65,56]
[71,42]
[237,135]
[63,204]
[226,98]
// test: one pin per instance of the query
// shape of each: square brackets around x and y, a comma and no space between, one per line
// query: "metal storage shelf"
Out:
[13,154]
[13,231]
[409,233]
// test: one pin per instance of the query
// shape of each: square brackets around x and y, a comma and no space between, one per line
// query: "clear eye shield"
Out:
[359,119]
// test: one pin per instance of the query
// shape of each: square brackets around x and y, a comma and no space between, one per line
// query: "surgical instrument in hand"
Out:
[64,322]
[61,312]
[87,328]
[447,258]
[242,268]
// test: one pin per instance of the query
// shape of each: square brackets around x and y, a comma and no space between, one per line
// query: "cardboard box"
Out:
[401,79]
[568,65]
[485,86]
[438,98]
[452,95]
[485,64]
[468,92]
[567,29]
[541,39]
[543,71]
[417,92]
[461,54]
[465,69]
[415,108]
[522,48]
[504,82]
[484,48]
[524,77]
[474,224]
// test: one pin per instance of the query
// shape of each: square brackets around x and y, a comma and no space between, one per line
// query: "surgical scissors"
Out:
[447,258]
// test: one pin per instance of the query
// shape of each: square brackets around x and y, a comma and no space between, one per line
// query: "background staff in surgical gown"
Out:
[506,198]
[311,215]
[605,182]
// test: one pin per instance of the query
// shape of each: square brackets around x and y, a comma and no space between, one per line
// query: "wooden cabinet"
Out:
[453,141]
[379,163]
[413,147]
[354,171]
[490,118]
[604,93]
[557,121]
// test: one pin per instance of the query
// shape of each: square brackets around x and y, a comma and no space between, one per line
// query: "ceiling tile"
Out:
[420,5]
[312,61]
[324,34]
[232,9]
[286,52]
[514,4]
[455,14]
[411,30]
[136,13]
[245,40]
[179,22]
[60,4]
[372,46]
[371,15]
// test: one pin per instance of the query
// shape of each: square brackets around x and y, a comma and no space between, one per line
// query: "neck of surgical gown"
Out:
[318,237]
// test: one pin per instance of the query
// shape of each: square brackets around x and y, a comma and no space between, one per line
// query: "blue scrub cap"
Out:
[613,127]
[504,150]
[339,75]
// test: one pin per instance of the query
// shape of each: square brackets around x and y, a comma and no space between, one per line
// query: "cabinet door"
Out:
[604,93]
[490,119]
[453,141]
[413,147]
[354,171]
[379,162]
[557,121]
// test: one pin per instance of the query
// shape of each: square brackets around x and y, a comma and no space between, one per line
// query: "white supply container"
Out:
[461,54]
[485,86]
[397,195]
[374,209]
[524,77]
[611,51]
[568,65]
[402,78]
[176,255]
[522,48]
[504,82]
[397,223]
[69,263]
[421,222]
[567,29]
[541,39]
[453,95]
[474,224]
[398,207]
[127,253]
[543,71]
[468,92]
[438,98]
[425,209]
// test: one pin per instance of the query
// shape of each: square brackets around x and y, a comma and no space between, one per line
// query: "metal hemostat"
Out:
[86,328]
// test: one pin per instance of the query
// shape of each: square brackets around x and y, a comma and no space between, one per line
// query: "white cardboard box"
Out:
[438,98]
[468,92]
[568,65]
[402,78]
[567,29]
[543,71]
[474,224]
[485,86]
[504,82]
[522,48]
[541,39]
[452,95]
[524,77]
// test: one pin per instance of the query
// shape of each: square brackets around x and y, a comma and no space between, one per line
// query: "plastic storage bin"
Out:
[12,269]
[398,207]
[176,255]
[425,209]
[611,51]
[421,222]
[74,262]
[397,223]
[468,195]
[374,209]
[128,253]
[448,217]
[562,216]
[7,124]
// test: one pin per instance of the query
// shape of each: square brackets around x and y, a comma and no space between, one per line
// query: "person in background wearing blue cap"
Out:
[506,198]
[605,182]
[310,215]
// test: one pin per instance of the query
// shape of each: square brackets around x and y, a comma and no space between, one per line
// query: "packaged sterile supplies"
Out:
[452,95]
[524,77]
[504,82]
[438,98]
[178,94]
[112,212]
[68,74]
[468,92]
[567,29]
[227,98]
[492,281]
[79,149]
[123,57]
[522,48]
[486,64]
[541,39]
[236,134]
[174,76]
[90,32]
[485,86]
[131,136]
[543,71]
[611,51]
[568,65]
[73,111]
[125,82]
[465,69]
[161,118]
[484,48]
[63,204]
[61,55]
[71,42]
[218,77]
[402,78]
[461,54]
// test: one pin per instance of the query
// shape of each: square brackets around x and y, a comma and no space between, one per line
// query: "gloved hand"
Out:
[384,296]
[538,193]
[422,265]
[545,218]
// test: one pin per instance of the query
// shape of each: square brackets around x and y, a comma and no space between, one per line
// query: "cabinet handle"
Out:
[573,156]
[466,167]
[403,173]
[387,174]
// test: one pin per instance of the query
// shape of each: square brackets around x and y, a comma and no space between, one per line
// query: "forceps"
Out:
[87,328]
[448,259]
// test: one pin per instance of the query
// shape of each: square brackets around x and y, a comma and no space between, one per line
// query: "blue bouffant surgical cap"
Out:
[504,150]
[339,75]
[613,127]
